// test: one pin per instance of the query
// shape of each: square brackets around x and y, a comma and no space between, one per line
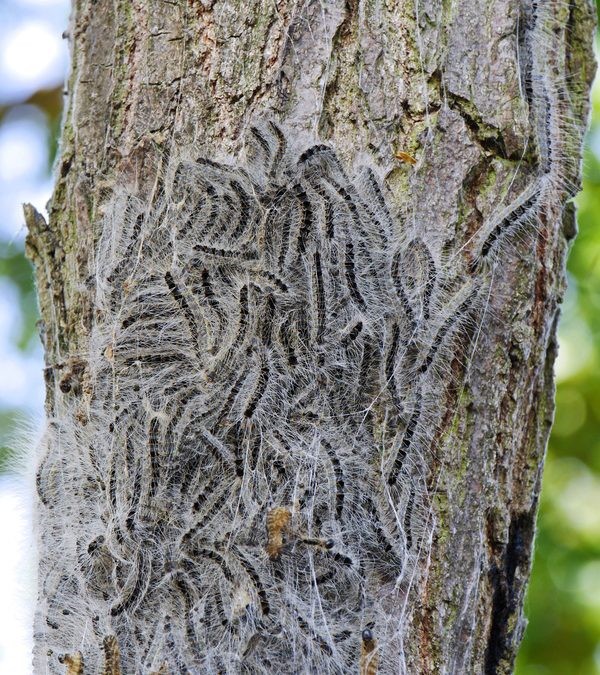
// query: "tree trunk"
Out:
[297,408]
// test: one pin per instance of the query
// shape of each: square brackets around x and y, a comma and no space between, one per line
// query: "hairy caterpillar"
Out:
[267,355]
[271,414]
[556,132]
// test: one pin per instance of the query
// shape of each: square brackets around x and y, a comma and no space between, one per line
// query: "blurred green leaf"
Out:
[14,266]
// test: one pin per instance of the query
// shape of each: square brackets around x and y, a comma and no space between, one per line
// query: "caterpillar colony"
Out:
[248,493]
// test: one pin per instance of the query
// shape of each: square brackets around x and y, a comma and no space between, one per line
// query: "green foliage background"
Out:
[563,603]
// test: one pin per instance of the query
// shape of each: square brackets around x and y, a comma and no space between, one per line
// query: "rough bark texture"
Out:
[437,80]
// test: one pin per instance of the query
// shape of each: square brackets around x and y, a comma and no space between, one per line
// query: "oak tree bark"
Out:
[444,83]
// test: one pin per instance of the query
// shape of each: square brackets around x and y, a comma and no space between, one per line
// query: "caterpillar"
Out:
[279,339]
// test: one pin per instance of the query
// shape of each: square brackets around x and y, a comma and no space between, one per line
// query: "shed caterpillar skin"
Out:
[268,354]
[73,663]
[278,520]
[368,656]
